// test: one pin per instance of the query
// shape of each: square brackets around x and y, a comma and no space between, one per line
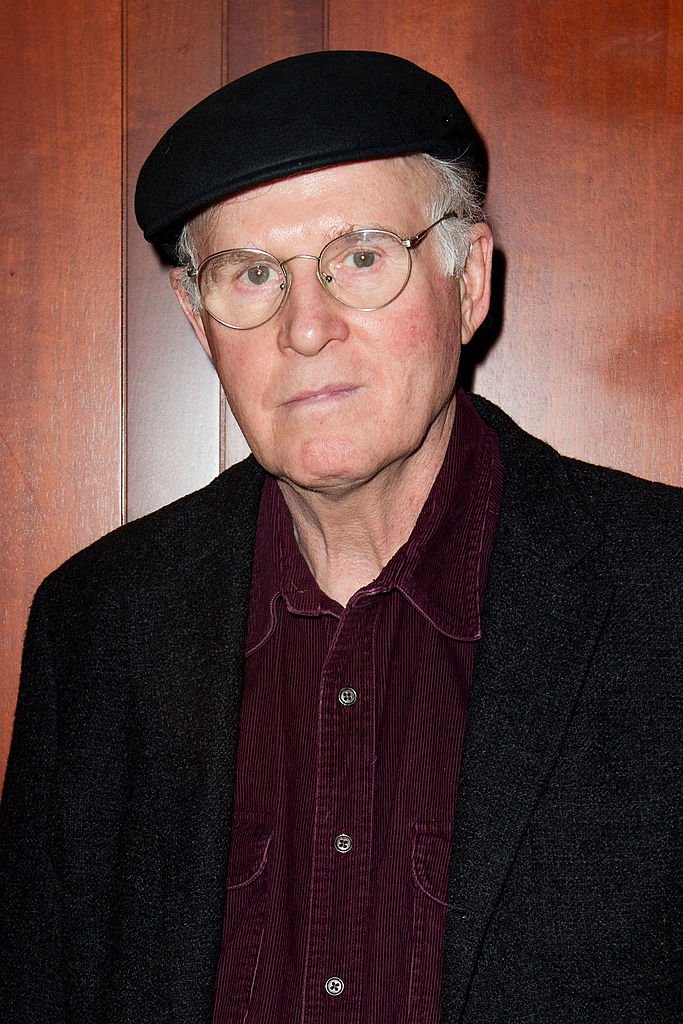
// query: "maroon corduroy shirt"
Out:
[350,739]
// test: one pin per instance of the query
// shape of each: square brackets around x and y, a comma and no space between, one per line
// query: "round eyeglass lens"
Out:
[242,287]
[365,269]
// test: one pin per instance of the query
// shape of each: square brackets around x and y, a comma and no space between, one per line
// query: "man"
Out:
[244,720]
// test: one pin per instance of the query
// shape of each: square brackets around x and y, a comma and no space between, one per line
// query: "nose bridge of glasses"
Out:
[324,279]
[300,256]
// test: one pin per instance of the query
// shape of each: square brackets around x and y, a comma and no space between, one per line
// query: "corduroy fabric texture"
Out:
[114,828]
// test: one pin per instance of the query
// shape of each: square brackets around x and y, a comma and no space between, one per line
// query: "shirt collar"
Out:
[441,569]
[279,571]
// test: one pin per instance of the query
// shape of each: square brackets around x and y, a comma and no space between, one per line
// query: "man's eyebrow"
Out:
[343,228]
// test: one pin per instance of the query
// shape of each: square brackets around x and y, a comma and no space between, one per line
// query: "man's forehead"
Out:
[312,111]
[332,201]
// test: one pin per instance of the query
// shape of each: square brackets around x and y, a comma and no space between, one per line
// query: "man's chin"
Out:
[328,477]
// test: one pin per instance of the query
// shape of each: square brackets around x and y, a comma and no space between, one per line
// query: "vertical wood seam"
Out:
[123,309]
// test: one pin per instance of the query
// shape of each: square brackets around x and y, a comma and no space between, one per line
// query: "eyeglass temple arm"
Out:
[410,243]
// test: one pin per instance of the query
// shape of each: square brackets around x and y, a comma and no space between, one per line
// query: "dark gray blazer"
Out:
[116,814]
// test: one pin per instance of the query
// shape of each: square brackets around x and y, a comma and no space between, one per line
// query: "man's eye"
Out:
[259,274]
[361,259]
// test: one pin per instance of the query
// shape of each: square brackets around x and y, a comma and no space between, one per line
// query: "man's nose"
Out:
[311,317]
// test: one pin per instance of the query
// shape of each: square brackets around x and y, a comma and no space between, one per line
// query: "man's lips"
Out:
[326,393]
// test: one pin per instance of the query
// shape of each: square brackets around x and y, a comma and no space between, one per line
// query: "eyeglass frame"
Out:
[409,243]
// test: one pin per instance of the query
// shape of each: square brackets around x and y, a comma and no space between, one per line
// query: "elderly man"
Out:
[245,719]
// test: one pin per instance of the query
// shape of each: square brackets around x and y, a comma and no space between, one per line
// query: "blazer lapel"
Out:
[542,619]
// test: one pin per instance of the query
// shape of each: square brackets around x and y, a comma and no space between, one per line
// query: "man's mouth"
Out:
[330,392]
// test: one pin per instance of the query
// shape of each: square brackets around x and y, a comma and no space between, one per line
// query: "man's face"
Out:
[328,397]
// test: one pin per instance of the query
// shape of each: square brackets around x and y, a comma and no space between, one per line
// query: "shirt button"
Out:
[334,986]
[343,843]
[347,696]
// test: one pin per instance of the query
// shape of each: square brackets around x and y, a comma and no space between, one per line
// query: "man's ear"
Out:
[475,281]
[178,284]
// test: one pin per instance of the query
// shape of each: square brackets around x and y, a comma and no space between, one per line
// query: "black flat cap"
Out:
[299,114]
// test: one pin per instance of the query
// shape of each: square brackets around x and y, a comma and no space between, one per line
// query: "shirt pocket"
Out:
[430,856]
[246,905]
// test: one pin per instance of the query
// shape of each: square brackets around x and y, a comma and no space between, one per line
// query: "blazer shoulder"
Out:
[601,482]
[637,519]
[220,517]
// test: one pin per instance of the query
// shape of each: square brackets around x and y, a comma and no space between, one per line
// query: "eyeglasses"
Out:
[365,269]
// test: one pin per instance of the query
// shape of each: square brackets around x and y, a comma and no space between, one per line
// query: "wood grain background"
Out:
[108,407]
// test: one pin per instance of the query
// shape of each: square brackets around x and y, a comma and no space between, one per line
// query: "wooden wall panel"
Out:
[60,385]
[258,34]
[581,110]
[174,57]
